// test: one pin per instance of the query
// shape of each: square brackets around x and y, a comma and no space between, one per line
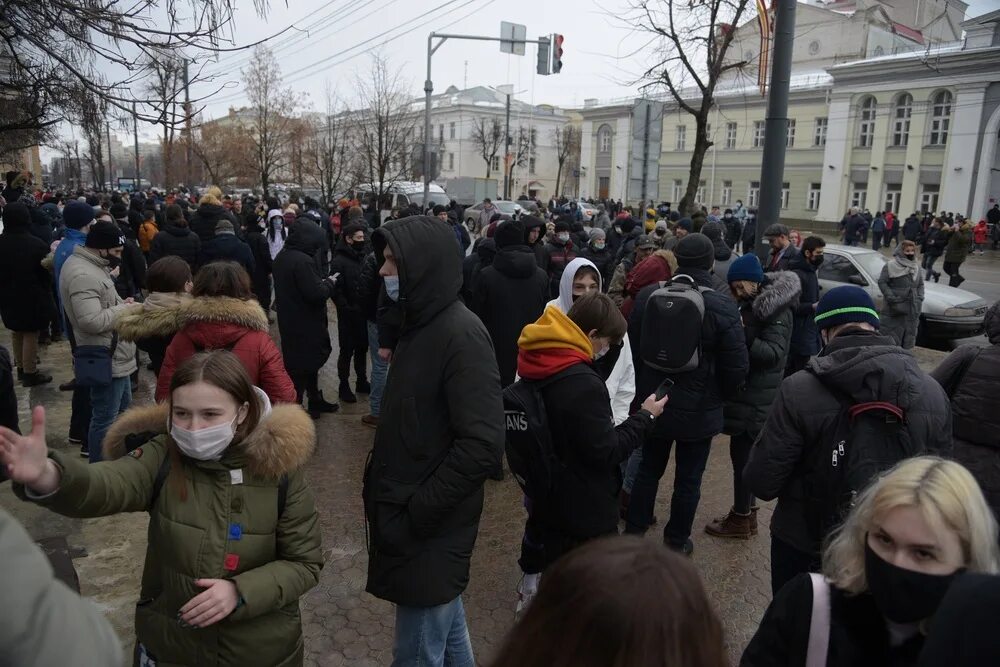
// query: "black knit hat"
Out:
[78,214]
[562,226]
[118,211]
[695,251]
[16,216]
[439,209]
[509,233]
[105,235]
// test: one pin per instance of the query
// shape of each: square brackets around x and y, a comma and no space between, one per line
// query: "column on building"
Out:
[962,148]
[836,158]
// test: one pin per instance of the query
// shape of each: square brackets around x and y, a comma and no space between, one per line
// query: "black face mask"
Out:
[904,596]
[113,262]
[816,261]
[910,257]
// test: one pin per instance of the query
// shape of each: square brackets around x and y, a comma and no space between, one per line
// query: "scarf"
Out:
[899,266]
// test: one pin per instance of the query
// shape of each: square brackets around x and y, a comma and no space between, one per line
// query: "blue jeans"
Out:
[379,370]
[630,468]
[432,637]
[692,456]
[106,403]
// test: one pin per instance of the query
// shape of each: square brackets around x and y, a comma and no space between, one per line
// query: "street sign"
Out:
[512,38]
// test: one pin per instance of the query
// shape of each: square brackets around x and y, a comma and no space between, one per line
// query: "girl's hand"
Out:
[213,604]
[27,456]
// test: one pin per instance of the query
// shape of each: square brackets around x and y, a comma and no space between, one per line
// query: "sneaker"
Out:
[733,526]
[35,379]
[370,420]
[85,451]
[685,549]
[74,441]
[526,591]
[363,387]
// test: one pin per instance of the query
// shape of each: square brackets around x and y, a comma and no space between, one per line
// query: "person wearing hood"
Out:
[509,294]
[695,413]
[971,377]
[644,247]
[621,229]
[277,231]
[131,278]
[602,221]
[860,365]
[26,304]
[902,285]
[226,246]
[208,215]
[222,315]
[765,303]
[724,256]
[301,294]
[597,251]
[534,237]
[176,238]
[262,261]
[657,268]
[39,225]
[483,251]
[352,330]
[434,447]
[631,232]
[805,334]
[234,536]
[661,231]
[559,252]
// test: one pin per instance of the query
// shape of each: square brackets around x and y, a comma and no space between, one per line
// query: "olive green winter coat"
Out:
[279,558]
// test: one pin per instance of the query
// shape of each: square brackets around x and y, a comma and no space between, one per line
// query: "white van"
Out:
[400,195]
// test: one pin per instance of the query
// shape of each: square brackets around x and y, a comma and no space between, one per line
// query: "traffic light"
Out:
[557,52]
[544,56]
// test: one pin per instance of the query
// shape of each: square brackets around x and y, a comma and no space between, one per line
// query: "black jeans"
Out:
[787,562]
[956,278]
[877,240]
[739,453]
[306,383]
[352,334]
[692,456]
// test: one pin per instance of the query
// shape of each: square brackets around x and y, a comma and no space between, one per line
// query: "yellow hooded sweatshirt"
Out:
[552,344]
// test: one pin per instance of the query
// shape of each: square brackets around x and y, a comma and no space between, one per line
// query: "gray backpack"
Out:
[672,325]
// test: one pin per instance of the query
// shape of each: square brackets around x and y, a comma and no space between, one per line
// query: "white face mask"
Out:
[205,444]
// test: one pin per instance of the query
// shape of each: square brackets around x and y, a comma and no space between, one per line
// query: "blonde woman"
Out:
[208,214]
[885,572]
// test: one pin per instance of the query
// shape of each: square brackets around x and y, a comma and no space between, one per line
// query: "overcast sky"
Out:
[332,40]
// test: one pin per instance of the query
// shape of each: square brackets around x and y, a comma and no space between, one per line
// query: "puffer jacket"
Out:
[221,322]
[153,326]
[278,554]
[803,418]
[205,219]
[91,304]
[557,257]
[177,241]
[971,377]
[767,325]
[959,243]
[805,333]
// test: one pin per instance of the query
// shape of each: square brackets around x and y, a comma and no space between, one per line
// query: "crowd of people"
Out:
[584,352]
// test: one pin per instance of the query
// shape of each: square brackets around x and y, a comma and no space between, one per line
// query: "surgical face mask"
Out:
[599,245]
[392,287]
[563,236]
[205,444]
[904,596]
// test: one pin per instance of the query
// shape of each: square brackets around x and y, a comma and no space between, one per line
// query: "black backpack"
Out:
[869,438]
[672,325]
[530,453]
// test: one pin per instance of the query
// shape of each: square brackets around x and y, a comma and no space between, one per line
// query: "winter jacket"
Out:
[724,257]
[152,327]
[959,243]
[131,279]
[903,298]
[859,635]
[25,285]
[261,276]
[853,226]
[227,247]
[616,290]
[750,234]
[483,252]
[557,257]
[40,226]
[780,261]
[278,554]
[221,322]
[205,219]
[147,232]
[508,295]
[177,241]
[603,259]
[733,230]
[803,418]
[912,229]
[301,295]
[696,399]
[767,326]
[805,334]
[91,304]
[878,225]
[971,377]
[45,623]
[347,262]
[656,268]
[980,233]
[434,447]
[934,242]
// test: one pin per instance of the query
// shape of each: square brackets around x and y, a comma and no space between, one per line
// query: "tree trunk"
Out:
[701,146]
[558,177]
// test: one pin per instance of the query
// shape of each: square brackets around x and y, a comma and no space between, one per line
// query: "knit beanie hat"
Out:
[846,304]
[224,227]
[695,251]
[118,211]
[597,233]
[509,233]
[78,214]
[713,230]
[105,235]
[746,267]
[686,224]
[439,209]
[16,216]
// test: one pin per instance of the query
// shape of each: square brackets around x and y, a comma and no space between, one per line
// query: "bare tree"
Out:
[326,151]
[164,90]
[92,118]
[222,150]
[694,42]
[383,127]
[271,121]
[488,136]
[523,148]
[567,142]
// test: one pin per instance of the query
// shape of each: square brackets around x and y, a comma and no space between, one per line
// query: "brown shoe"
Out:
[733,526]
[370,420]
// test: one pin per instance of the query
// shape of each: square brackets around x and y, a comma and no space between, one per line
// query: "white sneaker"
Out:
[526,590]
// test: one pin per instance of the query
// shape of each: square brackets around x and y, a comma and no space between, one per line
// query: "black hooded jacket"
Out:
[347,262]
[805,334]
[441,429]
[508,295]
[205,219]
[178,241]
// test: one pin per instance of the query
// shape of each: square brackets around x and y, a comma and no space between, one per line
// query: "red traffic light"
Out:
[557,52]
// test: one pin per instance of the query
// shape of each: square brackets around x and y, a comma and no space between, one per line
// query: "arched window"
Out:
[901,120]
[940,118]
[604,139]
[866,122]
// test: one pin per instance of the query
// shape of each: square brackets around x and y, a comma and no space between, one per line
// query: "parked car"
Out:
[947,313]
[588,209]
[504,206]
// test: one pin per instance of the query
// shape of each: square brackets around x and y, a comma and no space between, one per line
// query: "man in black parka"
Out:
[440,434]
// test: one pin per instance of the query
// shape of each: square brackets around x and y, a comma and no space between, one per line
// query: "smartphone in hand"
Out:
[664,388]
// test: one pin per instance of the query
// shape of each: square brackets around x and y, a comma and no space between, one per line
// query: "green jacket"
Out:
[959,244]
[279,558]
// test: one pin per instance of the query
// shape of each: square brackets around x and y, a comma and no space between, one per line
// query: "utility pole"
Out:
[111,166]
[135,136]
[187,125]
[776,125]
[506,154]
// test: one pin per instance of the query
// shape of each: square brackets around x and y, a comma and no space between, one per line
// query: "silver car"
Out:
[502,206]
[947,313]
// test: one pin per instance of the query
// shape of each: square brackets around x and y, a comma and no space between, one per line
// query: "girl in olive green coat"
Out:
[234,537]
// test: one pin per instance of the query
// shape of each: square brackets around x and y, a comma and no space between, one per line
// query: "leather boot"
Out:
[733,526]
[346,395]
[362,386]
[35,379]
[320,404]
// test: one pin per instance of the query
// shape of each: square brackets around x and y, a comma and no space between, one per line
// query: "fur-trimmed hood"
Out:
[159,315]
[781,290]
[247,314]
[283,441]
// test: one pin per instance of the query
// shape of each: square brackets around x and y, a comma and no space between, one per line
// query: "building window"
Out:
[727,192]
[893,191]
[730,135]
[496,163]
[678,190]
[785,194]
[790,135]
[451,130]
[681,137]
[699,195]
[929,198]
[451,162]
[819,135]
[859,195]
[940,118]
[753,194]
[812,197]
[901,120]
[758,134]
[441,132]
[866,122]
[604,139]
[531,165]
